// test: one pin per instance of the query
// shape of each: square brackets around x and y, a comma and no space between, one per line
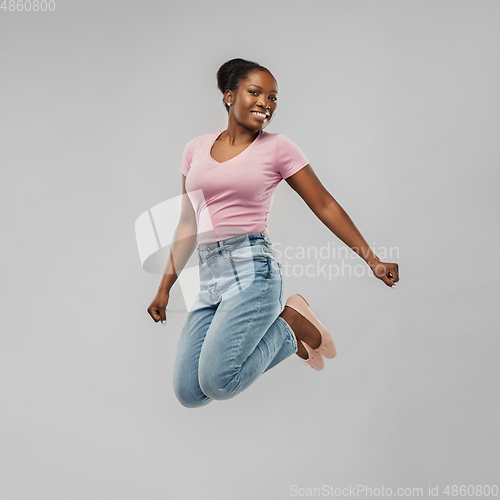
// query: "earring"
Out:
[228,103]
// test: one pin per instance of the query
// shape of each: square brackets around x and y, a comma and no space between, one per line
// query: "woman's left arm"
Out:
[327,209]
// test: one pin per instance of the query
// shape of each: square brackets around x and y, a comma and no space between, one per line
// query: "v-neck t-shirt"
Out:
[235,197]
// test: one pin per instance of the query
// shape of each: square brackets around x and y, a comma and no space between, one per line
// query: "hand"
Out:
[158,306]
[387,272]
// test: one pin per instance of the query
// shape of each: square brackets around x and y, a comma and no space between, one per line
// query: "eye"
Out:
[274,98]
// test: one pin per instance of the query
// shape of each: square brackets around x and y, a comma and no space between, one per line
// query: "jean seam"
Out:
[281,283]
[254,257]
[247,329]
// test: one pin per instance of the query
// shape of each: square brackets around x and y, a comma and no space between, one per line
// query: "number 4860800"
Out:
[28,5]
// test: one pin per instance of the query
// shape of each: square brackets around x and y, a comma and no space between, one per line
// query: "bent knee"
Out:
[188,399]
[216,387]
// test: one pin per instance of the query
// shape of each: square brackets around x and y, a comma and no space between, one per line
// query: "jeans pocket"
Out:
[246,253]
[252,266]
[262,265]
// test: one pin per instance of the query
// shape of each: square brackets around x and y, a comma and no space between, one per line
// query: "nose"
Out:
[265,103]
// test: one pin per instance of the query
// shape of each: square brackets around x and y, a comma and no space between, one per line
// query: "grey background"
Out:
[396,106]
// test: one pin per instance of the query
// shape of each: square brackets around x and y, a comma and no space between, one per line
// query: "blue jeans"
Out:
[233,333]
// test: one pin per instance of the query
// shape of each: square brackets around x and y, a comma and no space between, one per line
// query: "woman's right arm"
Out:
[183,245]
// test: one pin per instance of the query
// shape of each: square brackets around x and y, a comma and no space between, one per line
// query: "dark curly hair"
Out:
[231,73]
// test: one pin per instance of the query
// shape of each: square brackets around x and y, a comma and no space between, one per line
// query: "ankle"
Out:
[290,316]
[302,327]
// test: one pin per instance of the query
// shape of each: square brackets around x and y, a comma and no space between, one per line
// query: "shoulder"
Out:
[280,140]
[285,141]
[271,136]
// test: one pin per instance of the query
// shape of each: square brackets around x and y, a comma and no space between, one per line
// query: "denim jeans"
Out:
[233,334]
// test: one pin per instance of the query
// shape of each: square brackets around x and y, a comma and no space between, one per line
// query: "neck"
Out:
[237,134]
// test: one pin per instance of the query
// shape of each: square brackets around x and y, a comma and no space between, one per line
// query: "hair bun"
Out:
[230,74]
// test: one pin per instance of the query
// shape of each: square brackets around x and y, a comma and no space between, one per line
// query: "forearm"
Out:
[184,243]
[336,219]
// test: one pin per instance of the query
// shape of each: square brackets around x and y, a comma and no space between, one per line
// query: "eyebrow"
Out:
[259,87]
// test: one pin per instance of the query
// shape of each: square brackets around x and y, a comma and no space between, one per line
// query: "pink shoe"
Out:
[314,360]
[327,346]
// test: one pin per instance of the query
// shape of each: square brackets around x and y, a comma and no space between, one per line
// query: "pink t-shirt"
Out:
[235,197]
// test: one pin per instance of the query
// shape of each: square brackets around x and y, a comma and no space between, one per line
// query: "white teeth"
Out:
[260,114]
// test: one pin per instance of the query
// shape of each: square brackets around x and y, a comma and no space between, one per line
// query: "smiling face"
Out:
[255,102]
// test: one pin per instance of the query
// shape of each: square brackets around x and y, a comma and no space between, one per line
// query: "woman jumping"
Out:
[238,327]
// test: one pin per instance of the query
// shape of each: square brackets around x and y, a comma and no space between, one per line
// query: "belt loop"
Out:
[223,250]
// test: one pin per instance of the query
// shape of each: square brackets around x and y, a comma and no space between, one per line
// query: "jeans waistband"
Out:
[234,242]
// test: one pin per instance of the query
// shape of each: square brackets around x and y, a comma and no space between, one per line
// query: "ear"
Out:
[228,96]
